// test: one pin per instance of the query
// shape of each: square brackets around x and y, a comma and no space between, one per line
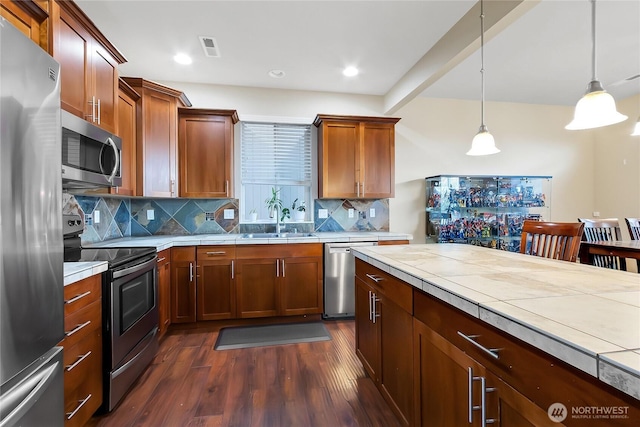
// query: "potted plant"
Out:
[253,215]
[299,211]
[273,203]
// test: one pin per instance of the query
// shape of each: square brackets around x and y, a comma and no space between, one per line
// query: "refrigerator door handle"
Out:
[17,402]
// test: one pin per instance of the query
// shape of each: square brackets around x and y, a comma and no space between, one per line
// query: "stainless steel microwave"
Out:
[91,156]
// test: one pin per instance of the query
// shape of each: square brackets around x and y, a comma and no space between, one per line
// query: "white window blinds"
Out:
[276,154]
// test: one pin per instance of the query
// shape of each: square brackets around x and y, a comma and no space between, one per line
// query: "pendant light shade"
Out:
[483,143]
[636,130]
[596,108]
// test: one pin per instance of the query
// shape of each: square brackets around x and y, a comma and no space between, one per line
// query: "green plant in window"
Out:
[300,208]
[273,203]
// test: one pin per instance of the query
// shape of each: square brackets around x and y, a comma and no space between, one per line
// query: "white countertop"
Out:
[75,271]
[165,242]
[587,316]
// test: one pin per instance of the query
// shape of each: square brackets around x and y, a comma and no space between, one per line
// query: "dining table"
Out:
[616,248]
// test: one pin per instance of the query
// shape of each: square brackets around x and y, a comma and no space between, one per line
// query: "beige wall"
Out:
[434,135]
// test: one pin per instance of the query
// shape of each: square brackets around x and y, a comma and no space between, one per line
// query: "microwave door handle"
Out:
[116,154]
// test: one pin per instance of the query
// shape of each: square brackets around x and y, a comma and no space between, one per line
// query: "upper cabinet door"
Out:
[378,158]
[104,75]
[356,157]
[31,17]
[205,141]
[338,159]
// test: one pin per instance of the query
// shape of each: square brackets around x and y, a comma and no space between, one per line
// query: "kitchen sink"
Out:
[275,235]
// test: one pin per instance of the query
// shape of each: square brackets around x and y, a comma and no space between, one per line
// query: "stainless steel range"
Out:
[129,309]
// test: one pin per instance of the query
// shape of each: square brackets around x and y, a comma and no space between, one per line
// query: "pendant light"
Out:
[636,130]
[483,143]
[596,108]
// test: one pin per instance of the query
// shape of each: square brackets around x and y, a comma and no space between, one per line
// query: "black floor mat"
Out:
[263,335]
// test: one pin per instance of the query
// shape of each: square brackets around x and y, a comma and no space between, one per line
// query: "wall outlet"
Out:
[596,214]
[96,216]
[229,214]
[323,213]
[372,213]
[88,219]
[351,213]
[151,214]
[209,216]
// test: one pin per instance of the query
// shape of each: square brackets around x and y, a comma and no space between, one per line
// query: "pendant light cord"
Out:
[482,61]
[593,39]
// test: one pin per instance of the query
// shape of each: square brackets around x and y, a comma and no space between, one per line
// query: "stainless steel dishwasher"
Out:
[339,279]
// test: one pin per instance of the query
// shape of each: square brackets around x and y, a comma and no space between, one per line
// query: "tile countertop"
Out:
[587,316]
[165,242]
[75,271]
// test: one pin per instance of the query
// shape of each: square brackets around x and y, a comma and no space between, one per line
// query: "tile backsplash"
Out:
[125,217]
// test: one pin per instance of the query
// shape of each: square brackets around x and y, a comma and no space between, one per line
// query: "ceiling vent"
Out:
[210,46]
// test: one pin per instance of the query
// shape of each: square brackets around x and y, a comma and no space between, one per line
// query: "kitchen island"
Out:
[584,318]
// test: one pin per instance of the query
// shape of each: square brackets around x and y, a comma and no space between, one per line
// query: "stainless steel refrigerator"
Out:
[31,263]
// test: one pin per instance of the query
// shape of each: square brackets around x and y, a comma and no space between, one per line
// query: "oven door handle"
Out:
[136,268]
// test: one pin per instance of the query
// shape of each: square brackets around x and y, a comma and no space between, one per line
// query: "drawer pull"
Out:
[375,278]
[77,328]
[77,297]
[77,362]
[216,253]
[80,405]
[493,352]
[161,259]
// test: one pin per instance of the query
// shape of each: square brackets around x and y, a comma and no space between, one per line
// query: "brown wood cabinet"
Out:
[88,67]
[279,280]
[384,343]
[82,353]
[205,142]
[31,17]
[356,157]
[164,291]
[127,131]
[157,137]
[216,282]
[183,284]
[521,382]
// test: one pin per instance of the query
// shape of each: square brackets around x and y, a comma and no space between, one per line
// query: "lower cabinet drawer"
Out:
[82,360]
[82,323]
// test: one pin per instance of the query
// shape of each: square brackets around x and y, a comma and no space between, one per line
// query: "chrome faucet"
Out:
[277,220]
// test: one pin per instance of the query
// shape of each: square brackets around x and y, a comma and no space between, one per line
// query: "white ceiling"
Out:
[543,57]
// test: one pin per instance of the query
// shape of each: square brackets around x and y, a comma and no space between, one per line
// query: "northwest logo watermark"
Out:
[557,412]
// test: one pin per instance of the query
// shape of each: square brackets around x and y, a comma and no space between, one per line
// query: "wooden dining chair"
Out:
[556,240]
[633,224]
[607,230]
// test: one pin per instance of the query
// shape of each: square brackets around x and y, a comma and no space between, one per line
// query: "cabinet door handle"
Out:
[77,297]
[161,259]
[493,352]
[358,188]
[93,109]
[80,405]
[232,269]
[483,402]
[172,183]
[98,110]
[370,308]
[277,268]
[375,278]
[216,253]
[374,300]
[283,270]
[362,188]
[226,188]
[77,362]
[191,272]
[77,328]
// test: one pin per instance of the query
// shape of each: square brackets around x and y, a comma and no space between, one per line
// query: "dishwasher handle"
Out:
[339,250]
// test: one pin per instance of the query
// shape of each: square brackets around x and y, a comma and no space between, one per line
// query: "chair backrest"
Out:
[557,240]
[633,224]
[601,229]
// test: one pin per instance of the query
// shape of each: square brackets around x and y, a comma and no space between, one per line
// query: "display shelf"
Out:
[484,210]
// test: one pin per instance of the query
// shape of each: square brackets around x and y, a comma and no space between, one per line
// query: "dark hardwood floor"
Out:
[311,384]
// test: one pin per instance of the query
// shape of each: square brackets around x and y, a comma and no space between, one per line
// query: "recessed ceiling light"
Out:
[350,71]
[276,74]
[182,58]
